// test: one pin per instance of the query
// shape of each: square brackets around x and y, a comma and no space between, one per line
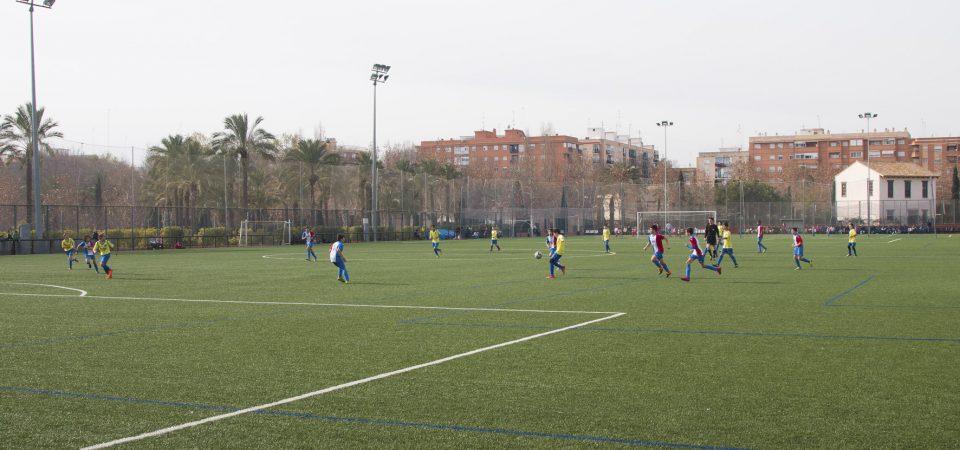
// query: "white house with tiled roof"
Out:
[902,193]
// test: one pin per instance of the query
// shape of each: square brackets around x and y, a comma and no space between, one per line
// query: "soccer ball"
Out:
[537,254]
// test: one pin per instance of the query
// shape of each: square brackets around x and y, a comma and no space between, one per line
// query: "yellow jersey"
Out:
[720,230]
[104,247]
[727,242]
[606,234]
[561,244]
[67,244]
[494,234]
[435,236]
[853,236]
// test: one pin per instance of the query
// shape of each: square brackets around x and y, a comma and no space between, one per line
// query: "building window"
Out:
[890,215]
[901,154]
[756,157]
[926,188]
[772,145]
[484,148]
[901,142]
[773,157]
[937,148]
[888,141]
[843,189]
[906,189]
[834,144]
[779,157]
[756,146]
[773,169]
[857,142]
[889,188]
[845,143]
[496,147]
[835,155]
[779,145]
[856,154]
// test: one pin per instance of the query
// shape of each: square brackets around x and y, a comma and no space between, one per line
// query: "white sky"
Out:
[127,73]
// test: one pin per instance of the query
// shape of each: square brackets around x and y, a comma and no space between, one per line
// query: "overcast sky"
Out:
[128,73]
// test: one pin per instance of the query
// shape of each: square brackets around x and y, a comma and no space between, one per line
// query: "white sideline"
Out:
[895,240]
[82,292]
[330,305]
[337,387]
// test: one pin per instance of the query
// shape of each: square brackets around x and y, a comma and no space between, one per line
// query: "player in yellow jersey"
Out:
[68,245]
[852,241]
[606,239]
[435,240]
[561,243]
[727,246]
[104,247]
[720,229]
[494,234]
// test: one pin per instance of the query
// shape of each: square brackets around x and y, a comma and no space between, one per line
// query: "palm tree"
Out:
[16,141]
[180,171]
[311,153]
[244,140]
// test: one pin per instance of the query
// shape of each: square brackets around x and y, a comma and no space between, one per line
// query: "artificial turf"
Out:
[854,353]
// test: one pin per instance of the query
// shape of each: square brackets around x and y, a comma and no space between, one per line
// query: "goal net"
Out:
[258,232]
[673,222]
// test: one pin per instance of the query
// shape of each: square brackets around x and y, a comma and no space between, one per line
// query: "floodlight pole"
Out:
[663,161]
[866,148]
[34,127]
[378,75]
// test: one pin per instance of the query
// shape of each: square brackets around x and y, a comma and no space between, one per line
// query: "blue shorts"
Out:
[696,257]
[553,251]
[69,252]
[89,256]
[658,255]
[728,251]
[798,251]
[104,258]
[435,244]
[309,244]
[493,242]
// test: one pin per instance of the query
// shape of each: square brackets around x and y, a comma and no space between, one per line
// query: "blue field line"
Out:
[700,332]
[365,421]
[150,329]
[844,293]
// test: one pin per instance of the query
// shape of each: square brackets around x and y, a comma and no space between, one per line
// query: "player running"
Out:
[657,241]
[711,232]
[309,238]
[435,240]
[727,248]
[337,258]
[852,241]
[68,245]
[494,234]
[560,243]
[798,250]
[761,230]
[696,255]
[86,246]
[104,247]
[551,242]
[606,239]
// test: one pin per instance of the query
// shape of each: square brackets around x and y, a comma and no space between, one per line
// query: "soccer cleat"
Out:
[661,271]
[669,273]
[796,268]
[719,271]
[551,277]
[110,274]
[563,270]
[736,266]
[684,279]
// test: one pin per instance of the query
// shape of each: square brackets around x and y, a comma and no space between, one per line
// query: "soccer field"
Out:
[479,350]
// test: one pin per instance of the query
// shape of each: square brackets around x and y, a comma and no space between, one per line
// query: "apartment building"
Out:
[817,148]
[716,167]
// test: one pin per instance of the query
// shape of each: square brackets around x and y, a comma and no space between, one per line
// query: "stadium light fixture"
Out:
[378,75]
[866,149]
[664,124]
[37,210]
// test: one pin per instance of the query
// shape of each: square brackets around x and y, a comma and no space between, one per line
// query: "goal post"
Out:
[672,221]
[274,230]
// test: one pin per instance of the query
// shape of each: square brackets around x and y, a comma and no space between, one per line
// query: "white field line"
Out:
[338,387]
[290,257]
[895,240]
[329,305]
[82,292]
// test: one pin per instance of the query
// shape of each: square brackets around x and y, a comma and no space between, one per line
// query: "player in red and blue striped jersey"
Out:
[696,254]
[798,250]
[761,231]
[657,241]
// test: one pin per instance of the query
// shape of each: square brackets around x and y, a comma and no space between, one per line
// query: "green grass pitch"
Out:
[852,353]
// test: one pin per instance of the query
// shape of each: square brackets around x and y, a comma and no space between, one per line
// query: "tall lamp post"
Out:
[664,124]
[37,214]
[377,76]
[866,148]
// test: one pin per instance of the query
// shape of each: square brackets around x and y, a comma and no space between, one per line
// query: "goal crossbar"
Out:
[285,226]
[670,220]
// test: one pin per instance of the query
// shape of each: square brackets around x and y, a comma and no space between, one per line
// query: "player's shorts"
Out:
[728,251]
[89,256]
[553,251]
[493,242]
[435,244]
[658,255]
[852,244]
[712,241]
[69,252]
[104,258]
[759,238]
[798,251]
[695,257]
[310,244]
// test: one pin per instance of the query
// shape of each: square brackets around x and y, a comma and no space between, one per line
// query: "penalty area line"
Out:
[338,387]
